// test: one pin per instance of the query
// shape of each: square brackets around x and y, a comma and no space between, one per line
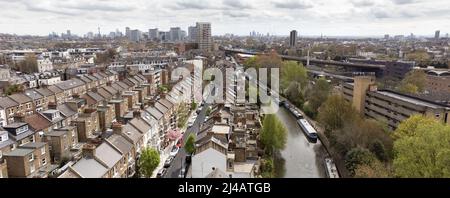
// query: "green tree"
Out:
[424,150]
[414,82]
[190,144]
[295,94]
[13,89]
[378,148]
[273,134]
[267,168]
[356,157]
[365,133]
[421,57]
[408,88]
[148,162]
[319,94]
[193,105]
[250,63]
[292,72]
[335,111]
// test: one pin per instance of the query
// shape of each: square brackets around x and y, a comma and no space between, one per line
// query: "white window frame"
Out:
[32,157]
[44,161]
[43,150]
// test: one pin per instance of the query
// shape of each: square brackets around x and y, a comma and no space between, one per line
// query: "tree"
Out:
[364,133]
[292,72]
[414,82]
[295,94]
[376,169]
[408,88]
[193,105]
[356,157]
[106,57]
[190,144]
[250,63]
[422,148]
[148,162]
[29,65]
[335,111]
[378,148]
[273,134]
[14,89]
[421,57]
[319,94]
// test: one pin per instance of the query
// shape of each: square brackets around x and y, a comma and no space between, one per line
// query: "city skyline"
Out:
[309,18]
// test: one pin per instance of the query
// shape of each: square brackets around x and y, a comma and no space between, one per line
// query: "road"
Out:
[174,170]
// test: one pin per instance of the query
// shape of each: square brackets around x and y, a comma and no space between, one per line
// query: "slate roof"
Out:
[6,102]
[20,98]
[107,154]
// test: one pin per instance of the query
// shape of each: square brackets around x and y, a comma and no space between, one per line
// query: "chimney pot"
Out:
[52,105]
[88,150]
[136,114]
[117,128]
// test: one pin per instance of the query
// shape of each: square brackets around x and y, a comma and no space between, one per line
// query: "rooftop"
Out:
[90,168]
[19,152]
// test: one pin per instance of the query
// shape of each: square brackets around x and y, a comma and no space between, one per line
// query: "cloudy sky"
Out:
[309,17]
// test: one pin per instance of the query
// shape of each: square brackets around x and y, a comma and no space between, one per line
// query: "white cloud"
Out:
[367,17]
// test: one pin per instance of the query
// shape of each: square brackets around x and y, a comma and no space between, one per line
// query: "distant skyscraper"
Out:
[437,34]
[153,34]
[68,33]
[175,34]
[386,36]
[90,35]
[127,32]
[293,38]
[204,39]
[135,35]
[118,33]
[192,33]
[183,34]
[112,35]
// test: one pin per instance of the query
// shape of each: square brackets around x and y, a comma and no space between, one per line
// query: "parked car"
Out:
[182,173]
[161,173]
[168,162]
[190,123]
[180,142]
[174,151]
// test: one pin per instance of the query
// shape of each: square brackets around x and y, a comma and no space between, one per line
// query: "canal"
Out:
[300,158]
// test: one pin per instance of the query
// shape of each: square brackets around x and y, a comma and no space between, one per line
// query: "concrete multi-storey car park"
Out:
[390,106]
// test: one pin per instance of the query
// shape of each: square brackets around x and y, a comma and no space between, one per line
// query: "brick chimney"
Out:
[117,128]
[137,114]
[89,110]
[151,103]
[52,105]
[88,151]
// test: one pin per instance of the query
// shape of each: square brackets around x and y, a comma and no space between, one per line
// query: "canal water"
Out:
[300,158]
